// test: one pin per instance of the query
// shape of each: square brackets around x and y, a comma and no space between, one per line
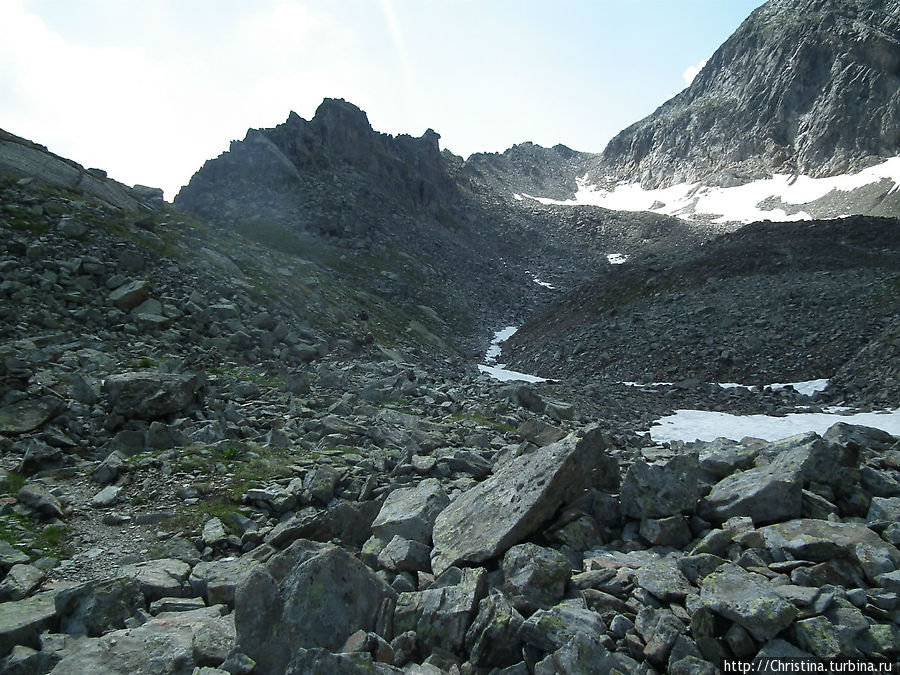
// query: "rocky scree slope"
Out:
[772,302]
[456,240]
[776,97]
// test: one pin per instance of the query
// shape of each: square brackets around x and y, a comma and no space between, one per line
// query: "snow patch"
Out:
[616,258]
[504,375]
[705,425]
[728,204]
[498,370]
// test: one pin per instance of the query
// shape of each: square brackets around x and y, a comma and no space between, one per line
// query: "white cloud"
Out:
[691,71]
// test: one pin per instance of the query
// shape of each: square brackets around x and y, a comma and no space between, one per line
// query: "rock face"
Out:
[501,511]
[776,97]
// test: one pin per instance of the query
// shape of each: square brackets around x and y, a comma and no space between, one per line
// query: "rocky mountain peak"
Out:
[776,97]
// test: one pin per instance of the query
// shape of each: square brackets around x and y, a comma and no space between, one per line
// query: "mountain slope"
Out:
[776,97]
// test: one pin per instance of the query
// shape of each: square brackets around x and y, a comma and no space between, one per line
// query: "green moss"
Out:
[14,482]
[30,537]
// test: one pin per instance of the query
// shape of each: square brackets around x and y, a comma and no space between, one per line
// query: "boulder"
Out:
[97,607]
[748,600]
[159,578]
[28,415]
[22,622]
[661,489]
[410,513]
[441,614]
[550,629]
[148,395]
[767,494]
[129,295]
[310,596]
[535,577]
[492,640]
[498,513]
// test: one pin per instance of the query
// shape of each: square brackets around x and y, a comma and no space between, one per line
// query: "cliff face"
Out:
[330,175]
[803,86]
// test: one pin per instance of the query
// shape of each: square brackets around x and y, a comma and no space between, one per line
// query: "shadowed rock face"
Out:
[776,97]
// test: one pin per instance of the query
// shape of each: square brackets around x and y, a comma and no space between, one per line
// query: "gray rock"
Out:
[22,622]
[748,600]
[129,295]
[322,481]
[410,513]
[663,580]
[97,607]
[28,415]
[213,533]
[404,555]
[722,457]
[164,644]
[109,469]
[550,629]
[20,581]
[217,580]
[672,531]
[769,493]
[884,508]
[824,541]
[316,596]
[504,509]
[10,556]
[159,578]
[661,490]
[176,605]
[106,497]
[659,628]
[535,577]
[39,498]
[584,656]
[492,640]
[148,395]
[441,614]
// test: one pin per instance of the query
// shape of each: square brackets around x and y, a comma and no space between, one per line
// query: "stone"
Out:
[20,581]
[818,636]
[109,469]
[410,513]
[550,629]
[164,644]
[214,533]
[663,580]
[130,294]
[40,499]
[176,605]
[322,481]
[770,493]
[159,578]
[317,597]
[98,606]
[722,457]
[22,622]
[672,531]
[106,497]
[28,415]
[148,395]
[441,614]
[404,555]
[748,600]
[492,639]
[535,577]
[217,580]
[581,656]
[501,511]
[659,628]
[9,556]
[662,489]
[824,541]
[884,508]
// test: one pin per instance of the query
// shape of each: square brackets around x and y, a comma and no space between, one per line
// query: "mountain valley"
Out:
[206,467]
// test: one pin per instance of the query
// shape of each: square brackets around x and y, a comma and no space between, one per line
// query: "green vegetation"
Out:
[28,536]
[14,482]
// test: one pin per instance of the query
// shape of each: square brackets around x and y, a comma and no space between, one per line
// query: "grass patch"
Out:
[28,536]
[14,482]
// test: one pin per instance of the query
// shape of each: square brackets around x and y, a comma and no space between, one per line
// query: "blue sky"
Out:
[150,90]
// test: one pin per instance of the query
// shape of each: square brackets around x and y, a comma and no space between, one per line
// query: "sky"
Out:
[150,89]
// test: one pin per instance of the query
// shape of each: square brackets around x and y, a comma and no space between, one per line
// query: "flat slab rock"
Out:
[501,511]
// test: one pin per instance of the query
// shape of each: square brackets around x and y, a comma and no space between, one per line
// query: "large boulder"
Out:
[309,596]
[535,577]
[747,599]
[442,614]
[661,489]
[489,518]
[148,395]
[410,512]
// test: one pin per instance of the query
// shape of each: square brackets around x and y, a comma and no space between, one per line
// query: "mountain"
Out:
[417,225]
[762,132]
[776,98]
